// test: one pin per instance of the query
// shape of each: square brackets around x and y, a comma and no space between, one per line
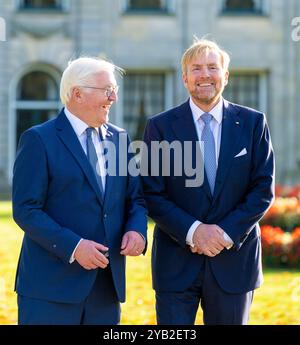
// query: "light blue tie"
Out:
[92,156]
[209,151]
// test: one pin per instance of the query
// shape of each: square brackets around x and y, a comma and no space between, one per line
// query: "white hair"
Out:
[80,72]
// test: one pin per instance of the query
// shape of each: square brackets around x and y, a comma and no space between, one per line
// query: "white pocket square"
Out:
[242,153]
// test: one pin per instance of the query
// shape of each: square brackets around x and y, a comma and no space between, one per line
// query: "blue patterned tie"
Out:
[209,151]
[92,157]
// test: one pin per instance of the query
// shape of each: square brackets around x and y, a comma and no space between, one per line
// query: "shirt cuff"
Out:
[72,258]
[190,234]
[228,239]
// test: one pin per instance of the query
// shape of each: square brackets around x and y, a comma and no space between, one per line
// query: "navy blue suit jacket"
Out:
[243,192]
[56,201]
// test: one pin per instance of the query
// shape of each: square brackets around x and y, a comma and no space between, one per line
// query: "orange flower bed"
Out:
[294,250]
[287,191]
[280,248]
[285,211]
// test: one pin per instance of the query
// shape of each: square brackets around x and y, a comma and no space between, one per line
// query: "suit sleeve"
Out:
[136,213]
[240,221]
[173,220]
[30,187]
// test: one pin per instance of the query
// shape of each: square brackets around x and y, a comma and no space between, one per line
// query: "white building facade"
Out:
[147,39]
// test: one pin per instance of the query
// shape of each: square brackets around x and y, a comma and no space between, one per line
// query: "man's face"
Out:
[94,102]
[205,79]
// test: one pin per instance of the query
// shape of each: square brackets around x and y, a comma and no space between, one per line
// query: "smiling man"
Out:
[79,222]
[206,243]
[205,77]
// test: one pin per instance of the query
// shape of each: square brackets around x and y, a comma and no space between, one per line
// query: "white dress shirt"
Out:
[216,128]
[80,129]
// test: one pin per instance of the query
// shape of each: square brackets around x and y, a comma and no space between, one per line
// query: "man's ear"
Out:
[226,78]
[184,79]
[77,94]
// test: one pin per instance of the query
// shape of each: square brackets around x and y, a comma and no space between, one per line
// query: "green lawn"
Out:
[277,302]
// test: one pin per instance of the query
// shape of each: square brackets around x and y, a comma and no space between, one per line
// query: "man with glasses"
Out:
[79,221]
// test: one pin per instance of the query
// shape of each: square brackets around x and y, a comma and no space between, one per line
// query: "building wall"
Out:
[155,43]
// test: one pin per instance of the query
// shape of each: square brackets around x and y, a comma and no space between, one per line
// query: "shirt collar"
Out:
[78,125]
[216,111]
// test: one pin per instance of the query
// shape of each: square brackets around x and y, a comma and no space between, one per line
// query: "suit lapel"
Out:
[232,126]
[183,124]
[185,130]
[109,180]
[70,140]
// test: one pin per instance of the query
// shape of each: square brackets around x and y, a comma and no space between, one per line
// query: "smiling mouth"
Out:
[204,84]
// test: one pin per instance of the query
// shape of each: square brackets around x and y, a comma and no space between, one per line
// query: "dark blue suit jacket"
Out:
[56,201]
[243,192]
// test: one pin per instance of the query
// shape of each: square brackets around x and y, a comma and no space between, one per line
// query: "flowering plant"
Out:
[280,229]
[294,248]
[287,191]
[280,248]
[284,213]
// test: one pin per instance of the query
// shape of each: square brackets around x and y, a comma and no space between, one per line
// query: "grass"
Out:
[277,302]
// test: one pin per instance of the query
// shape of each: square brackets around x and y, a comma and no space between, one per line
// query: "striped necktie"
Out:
[92,157]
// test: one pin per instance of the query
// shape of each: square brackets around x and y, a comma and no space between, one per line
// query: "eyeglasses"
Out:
[108,90]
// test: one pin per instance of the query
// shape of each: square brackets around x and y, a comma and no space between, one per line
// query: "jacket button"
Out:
[105,215]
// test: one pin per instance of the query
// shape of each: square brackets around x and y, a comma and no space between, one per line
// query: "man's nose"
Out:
[113,97]
[204,72]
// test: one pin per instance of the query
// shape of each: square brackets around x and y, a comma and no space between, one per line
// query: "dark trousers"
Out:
[219,307]
[100,307]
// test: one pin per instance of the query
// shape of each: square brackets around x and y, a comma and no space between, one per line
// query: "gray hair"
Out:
[80,72]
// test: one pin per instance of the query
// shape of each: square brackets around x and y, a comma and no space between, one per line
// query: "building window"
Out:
[41,4]
[248,89]
[144,95]
[147,5]
[37,86]
[37,100]
[243,6]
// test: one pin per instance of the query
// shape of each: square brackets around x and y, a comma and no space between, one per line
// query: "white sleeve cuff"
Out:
[228,239]
[72,259]
[190,234]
